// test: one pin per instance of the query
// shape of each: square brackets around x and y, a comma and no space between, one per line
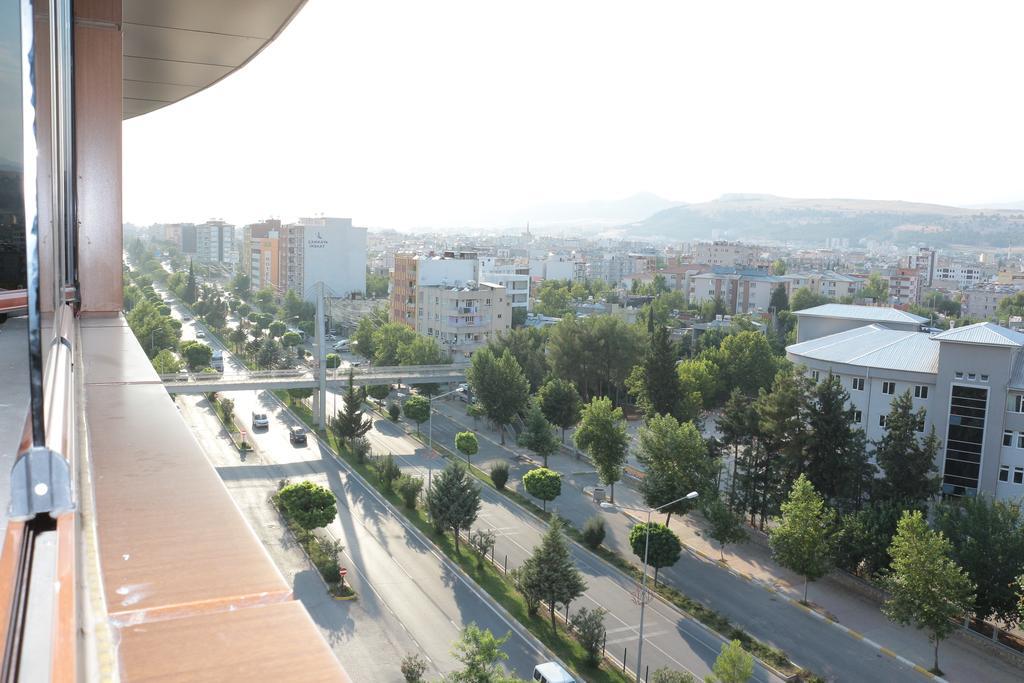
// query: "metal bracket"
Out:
[40,482]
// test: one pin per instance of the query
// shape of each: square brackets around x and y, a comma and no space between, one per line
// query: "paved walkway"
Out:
[858,629]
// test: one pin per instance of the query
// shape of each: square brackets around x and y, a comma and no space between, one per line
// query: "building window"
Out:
[1007,437]
[920,391]
[1020,440]
[857,416]
[1004,473]
[984,378]
[1018,404]
[967,413]
[881,420]
[888,387]
[815,375]
[959,375]
[1018,475]
[971,375]
[858,383]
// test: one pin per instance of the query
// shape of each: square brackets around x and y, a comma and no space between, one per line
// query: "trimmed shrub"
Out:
[499,474]
[394,411]
[593,532]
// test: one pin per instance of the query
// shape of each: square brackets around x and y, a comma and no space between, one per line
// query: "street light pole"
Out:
[643,581]
[430,431]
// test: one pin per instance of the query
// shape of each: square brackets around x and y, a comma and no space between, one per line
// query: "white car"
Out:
[259,420]
[200,335]
[552,672]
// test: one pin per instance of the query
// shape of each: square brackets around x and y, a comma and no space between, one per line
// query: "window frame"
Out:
[890,386]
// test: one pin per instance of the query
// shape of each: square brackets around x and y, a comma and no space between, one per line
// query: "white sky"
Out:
[402,114]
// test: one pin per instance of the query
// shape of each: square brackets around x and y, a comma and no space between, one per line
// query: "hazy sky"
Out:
[402,114]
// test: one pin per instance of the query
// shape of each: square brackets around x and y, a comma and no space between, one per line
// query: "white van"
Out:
[341,345]
[552,672]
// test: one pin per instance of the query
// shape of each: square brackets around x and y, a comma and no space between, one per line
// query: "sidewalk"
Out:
[855,616]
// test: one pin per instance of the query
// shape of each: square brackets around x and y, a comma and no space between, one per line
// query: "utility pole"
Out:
[320,398]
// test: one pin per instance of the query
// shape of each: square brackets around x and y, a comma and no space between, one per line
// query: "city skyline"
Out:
[500,112]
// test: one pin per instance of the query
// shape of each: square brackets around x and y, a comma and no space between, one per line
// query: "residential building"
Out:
[823,282]
[904,286]
[924,262]
[412,271]
[958,276]
[462,318]
[215,243]
[821,321]
[726,254]
[260,257]
[741,291]
[517,286]
[981,303]
[969,380]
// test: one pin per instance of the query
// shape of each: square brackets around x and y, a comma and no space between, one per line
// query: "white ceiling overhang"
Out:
[175,48]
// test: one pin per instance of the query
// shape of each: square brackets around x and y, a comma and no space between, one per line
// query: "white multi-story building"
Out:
[823,282]
[969,380]
[333,252]
[463,319]
[413,271]
[215,243]
[958,276]
[517,286]
[726,254]
[739,291]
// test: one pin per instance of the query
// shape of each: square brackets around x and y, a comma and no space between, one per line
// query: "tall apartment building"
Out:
[412,271]
[924,261]
[904,286]
[517,285]
[969,380]
[215,243]
[726,254]
[260,257]
[740,291]
[462,318]
[982,302]
[826,283]
[958,276]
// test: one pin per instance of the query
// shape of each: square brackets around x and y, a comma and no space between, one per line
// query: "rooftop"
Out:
[874,346]
[988,334]
[875,314]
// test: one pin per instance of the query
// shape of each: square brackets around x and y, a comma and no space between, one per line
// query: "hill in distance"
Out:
[785,219]
[589,214]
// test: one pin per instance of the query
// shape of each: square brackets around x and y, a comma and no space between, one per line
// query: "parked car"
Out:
[552,672]
[200,335]
[297,435]
[260,420]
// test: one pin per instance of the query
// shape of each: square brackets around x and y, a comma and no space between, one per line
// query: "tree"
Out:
[237,337]
[837,463]
[698,378]
[876,289]
[421,350]
[269,353]
[467,444]
[654,382]
[264,298]
[805,298]
[711,308]
[588,625]
[368,325]
[480,652]
[413,668]
[907,461]
[744,360]
[987,539]
[593,532]
[196,354]
[676,461]
[734,664]
[602,434]
[560,403]
[191,292]
[662,549]
[166,363]
[540,482]
[737,423]
[1010,306]
[927,588]
[332,361]
[726,526]
[778,267]
[779,300]
[350,422]
[309,505]
[379,392]
[864,536]
[291,339]
[387,339]
[802,541]
[499,475]
[550,574]
[299,394]
[417,409]
[388,472]
[454,500]
[527,347]
[596,354]
[499,385]
[409,489]
[482,540]
[240,284]
[538,436]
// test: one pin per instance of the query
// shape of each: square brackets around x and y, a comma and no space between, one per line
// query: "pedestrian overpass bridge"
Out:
[240,380]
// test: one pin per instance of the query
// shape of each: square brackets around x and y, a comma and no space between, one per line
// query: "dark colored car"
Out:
[297,435]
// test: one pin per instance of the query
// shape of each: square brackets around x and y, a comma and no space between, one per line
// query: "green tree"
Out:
[676,461]
[166,363]
[778,267]
[191,292]
[779,300]
[560,403]
[987,538]
[805,298]
[662,549]
[737,424]
[299,394]
[363,338]
[837,462]
[862,543]
[237,337]
[332,361]
[265,298]
[596,354]
[1010,306]
[602,435]
[291,339]
[588,625]
[745,360]
[387,340]
[454,500]
[244,309]
[482,541]
[277,328]
[654,382]
[196,354]
[926,587]
[552,298]
[527,347]
[593,532]
[350,422]
[698,378]
[409,489]
[725,525]
[417,409]
[734,664]
[467,444]
[379,392]
[499,385]
[539,435]
[240,284]
[269,353]
[413,668]
[711,308]
[876,288]
[907,461]
[309,505]
[421,350]
[540,482]
[499,475]
[803,539]
[666,675]
[550,573]
[480,653]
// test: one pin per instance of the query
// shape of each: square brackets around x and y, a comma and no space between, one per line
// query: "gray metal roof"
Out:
[174,49]
[873,346]
[876,314]
[988,334]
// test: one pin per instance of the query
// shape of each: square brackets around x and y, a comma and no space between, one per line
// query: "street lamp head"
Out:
[691,495]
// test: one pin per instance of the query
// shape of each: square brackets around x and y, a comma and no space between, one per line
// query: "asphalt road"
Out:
[394,570]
